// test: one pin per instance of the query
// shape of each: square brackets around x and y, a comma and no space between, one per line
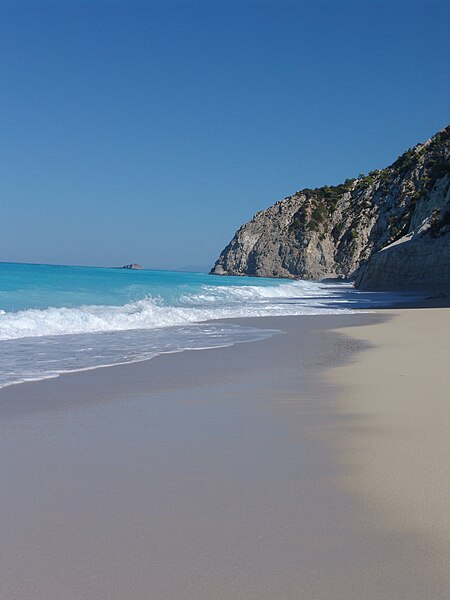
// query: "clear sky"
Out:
[149,131]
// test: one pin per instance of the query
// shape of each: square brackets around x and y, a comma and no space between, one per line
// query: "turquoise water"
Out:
[28,286]
[55,319]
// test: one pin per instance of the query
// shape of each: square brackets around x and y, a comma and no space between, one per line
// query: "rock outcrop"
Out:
[419,260]
[386,229]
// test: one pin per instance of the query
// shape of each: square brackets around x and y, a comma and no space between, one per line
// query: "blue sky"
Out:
[149,131]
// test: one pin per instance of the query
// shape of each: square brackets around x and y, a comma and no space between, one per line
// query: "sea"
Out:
[59,319]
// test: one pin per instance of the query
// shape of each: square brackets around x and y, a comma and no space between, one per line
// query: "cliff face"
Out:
[340,230]
[419,260]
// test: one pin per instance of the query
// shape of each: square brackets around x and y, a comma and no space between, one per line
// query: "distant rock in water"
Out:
[387,229]
[132,266]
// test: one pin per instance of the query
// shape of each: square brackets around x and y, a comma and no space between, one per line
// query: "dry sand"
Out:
[241,473]
[398,392]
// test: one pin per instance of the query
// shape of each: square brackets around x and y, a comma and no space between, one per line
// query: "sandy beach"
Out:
[308,466]
[398,391]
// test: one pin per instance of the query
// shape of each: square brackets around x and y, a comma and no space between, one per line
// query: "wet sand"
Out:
[229,474]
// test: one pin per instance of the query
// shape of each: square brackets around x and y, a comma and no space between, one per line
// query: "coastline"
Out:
[232,473]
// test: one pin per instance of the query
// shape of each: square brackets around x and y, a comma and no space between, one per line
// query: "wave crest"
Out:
[210,302]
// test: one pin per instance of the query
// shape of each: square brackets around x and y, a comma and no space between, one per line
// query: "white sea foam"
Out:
[35,358]
[212,302]
[40,342]
[303,289]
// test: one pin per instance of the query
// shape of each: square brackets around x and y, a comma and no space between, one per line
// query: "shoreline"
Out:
[137,375]
[227,473]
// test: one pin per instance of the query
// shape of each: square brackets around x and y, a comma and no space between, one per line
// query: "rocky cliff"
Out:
[418,260]
[386,229]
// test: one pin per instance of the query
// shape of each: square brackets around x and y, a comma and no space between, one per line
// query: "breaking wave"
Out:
[209,302]
[58,319]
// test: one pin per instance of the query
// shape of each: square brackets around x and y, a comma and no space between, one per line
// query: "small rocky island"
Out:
[134,266]
[388,229]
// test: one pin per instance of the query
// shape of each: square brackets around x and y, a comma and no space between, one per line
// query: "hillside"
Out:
[387,229]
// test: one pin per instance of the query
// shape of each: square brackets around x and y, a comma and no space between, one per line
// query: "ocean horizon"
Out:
[56,319]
